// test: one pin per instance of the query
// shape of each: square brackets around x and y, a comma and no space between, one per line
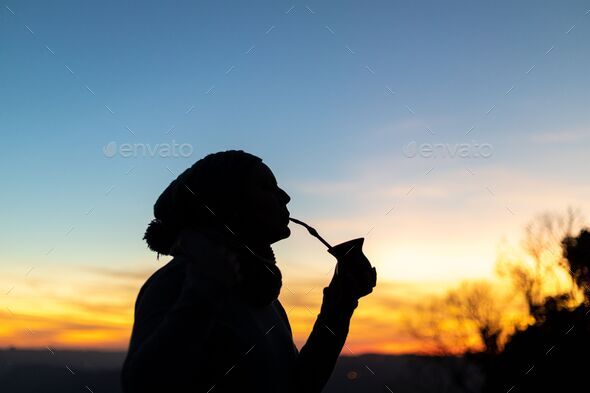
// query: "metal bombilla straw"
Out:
[311,231]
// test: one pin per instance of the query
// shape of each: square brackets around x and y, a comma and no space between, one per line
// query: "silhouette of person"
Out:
[210,319]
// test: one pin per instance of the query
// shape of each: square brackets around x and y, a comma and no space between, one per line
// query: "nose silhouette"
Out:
[284,196]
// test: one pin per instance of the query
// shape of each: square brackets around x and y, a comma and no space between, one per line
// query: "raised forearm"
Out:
[318,356]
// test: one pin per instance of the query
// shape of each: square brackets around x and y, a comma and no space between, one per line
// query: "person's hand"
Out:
[353,278]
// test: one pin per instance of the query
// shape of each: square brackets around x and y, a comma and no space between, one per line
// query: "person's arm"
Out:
[168,349]
[170,338]
[318,356]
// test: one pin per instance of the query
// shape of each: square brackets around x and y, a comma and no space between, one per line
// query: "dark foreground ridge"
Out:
[28,371]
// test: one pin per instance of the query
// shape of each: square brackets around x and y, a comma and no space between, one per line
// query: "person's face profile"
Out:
[263,206]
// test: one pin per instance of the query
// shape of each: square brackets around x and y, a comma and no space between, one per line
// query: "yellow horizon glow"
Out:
[84,311]
[92,307]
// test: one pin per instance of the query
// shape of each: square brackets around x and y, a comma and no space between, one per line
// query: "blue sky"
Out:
[327,93]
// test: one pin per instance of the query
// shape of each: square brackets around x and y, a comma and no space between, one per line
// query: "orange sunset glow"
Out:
[140,138]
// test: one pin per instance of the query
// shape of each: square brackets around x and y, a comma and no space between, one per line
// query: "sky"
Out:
[433,129]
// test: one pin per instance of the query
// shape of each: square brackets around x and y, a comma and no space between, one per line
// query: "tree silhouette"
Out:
[466,319]
[537,269]
[552,354]
[577,254]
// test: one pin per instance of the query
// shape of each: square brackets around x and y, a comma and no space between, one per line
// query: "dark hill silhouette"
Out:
[37,371]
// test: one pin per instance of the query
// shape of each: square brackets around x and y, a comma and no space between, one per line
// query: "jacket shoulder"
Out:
[164,283]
